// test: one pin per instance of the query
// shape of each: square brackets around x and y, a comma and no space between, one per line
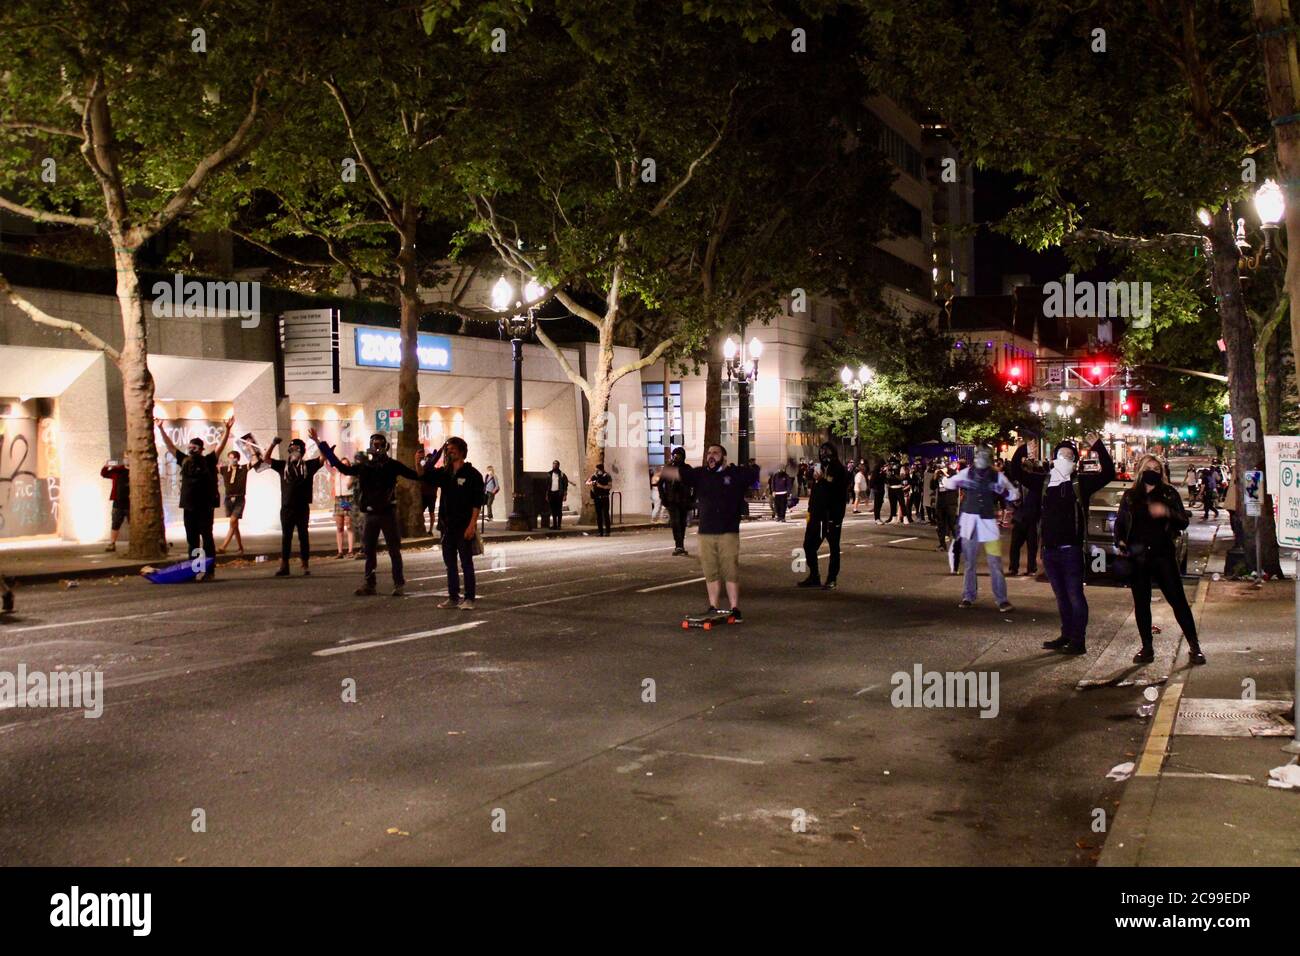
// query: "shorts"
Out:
[342,506]
[720,556]
[234,506]
[120,515]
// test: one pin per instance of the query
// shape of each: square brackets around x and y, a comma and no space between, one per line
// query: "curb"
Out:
[425,542]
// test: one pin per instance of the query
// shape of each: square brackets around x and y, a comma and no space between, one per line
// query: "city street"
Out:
[229,698]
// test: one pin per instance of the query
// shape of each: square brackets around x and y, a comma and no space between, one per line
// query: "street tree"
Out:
[116,120]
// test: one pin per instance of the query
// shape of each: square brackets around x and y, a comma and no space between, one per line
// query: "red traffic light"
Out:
[1098,371]
[1014,372]
[1127,406]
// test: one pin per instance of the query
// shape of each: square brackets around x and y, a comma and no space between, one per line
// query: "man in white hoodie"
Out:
[983,487]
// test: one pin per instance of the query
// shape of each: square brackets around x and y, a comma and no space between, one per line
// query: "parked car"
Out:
[1103,509]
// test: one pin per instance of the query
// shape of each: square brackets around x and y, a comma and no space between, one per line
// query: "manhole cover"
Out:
[1212,717]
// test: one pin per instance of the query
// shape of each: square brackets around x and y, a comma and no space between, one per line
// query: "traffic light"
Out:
[1169,406]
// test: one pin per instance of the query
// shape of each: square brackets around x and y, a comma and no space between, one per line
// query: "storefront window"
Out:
[29,468]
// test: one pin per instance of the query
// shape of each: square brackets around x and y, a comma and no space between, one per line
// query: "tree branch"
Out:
[644,362]
[1176,239]
[662,204]
[581,311]
[39,128]
[42,317]
[376,183]
[568,369]
[39,216]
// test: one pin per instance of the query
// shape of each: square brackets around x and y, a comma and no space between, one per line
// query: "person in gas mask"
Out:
[983,487]
[376,499]
[1151,515]
[1063,508]
[826,501]
[297,473]
[199,495]
[676,498]
[1024,525]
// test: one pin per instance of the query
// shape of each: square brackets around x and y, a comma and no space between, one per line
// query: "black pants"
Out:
[488,498]
[385,521]
[602,513]
[677,514]
[947,525]
[880,501]
[294,520]
[779,501]
[1162,571]
[1210,501]
[456,549]
[198,534]
[1025,533]
[820,530]
[895,503]
[556,500]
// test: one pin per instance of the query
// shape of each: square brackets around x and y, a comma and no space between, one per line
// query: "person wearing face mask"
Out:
[1062,518]
[297,473]
[947,501]
[1024,526]
[719,491]
[199,495]
[983,488]
[676,498]
[375,497]
[825,519]
[1151,515]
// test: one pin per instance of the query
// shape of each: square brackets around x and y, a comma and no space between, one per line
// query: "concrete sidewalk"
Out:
[1199,795]
[41,562]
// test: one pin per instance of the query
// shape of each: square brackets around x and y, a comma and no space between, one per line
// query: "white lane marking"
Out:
[431,577]
[768,534]
[93,620]
[418,635]
[661,587]
[662,547]
[1234,777]
[429,594]
[864,546]
[865,689]
[653,755]
[901,540]
[571,597]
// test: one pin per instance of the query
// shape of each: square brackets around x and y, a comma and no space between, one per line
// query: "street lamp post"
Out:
[741,362]
[519,325]
[855,385]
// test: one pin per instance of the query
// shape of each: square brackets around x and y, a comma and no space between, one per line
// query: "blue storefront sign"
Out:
[382,348]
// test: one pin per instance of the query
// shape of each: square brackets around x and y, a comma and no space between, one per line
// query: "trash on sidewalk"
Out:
[1286,777]
[1121,771]
[177,573]
[68,584]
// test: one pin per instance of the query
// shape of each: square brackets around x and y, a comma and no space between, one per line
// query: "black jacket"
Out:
[829,493]
[376,478]
[1064,517]
[1139,533]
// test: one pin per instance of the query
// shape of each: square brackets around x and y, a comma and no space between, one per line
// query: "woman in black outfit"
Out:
[1150,516]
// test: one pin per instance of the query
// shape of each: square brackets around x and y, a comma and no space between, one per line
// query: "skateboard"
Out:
[707,621]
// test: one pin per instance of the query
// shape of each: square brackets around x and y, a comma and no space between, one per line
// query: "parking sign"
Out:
[1288,503]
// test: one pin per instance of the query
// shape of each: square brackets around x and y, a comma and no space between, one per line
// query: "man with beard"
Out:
[826,502]
[296,473]
[719,493]
[375,497]
[983,487]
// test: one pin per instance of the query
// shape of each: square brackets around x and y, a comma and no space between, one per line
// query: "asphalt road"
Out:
[521,732]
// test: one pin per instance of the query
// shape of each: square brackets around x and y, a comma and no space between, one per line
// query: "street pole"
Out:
[518,519]
[1293,745]
[857,441]
[742,427]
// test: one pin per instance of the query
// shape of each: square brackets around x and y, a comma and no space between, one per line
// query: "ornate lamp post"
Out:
[855,385]
[519,325]
[741,363]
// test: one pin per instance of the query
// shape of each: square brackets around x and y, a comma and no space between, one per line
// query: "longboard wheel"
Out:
[731,620]
[686,625]
[707,625]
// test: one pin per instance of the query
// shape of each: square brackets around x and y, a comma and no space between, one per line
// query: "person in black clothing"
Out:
[460,487]
[878,490]
[676,497]
[896,481]
[375,497]
[719,493]
[556,492]
[947,501]
[779,485]
[120,495]
[600,484]
[199,496]
[297,473]
[1063,509]
[1150,516]
[1024,525]
[826,502]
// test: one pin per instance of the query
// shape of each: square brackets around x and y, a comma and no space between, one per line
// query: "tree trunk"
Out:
[1243,393]
[1273,383]
[602,384]
[148,530]
[409,495]
[713,395]
[1282,81]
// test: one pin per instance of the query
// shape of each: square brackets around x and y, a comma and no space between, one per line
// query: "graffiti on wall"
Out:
[29,478]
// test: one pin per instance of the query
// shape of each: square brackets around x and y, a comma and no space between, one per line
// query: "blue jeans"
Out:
[454,546]
[1064,567]
[970,549]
